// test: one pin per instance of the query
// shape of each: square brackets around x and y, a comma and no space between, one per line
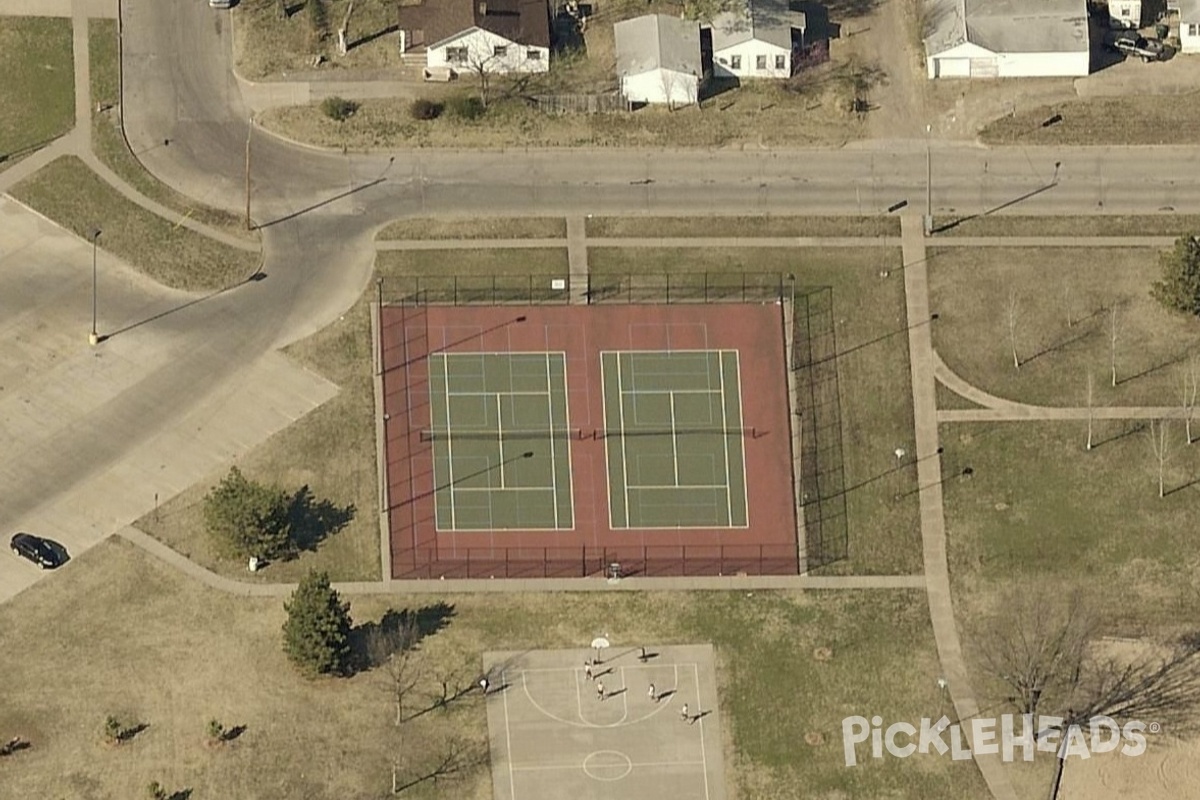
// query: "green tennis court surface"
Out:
[674,439]
[501,445]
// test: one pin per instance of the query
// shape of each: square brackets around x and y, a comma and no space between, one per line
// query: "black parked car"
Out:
[43,552]
[1130,44]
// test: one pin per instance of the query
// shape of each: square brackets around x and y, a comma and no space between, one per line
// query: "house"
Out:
[495,36]
[1125,14]
[658,59]
[757,39]
[1189,24]
[1007,38]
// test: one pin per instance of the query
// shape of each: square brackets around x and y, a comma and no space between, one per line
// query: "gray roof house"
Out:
[757,39]
[658,59]
[1007,38]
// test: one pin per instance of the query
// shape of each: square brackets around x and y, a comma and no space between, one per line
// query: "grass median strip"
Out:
[1094,225]
[852,652]
[72,195]
[1133,119]
[110,147]
[37,94]
[476,228]
[744,227]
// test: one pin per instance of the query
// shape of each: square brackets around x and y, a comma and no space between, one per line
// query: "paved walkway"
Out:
[749,582]
[577,259]
[59,8]
[774,242]
[929,481]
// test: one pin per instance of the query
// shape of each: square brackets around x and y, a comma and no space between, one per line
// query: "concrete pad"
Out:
[551,735]
[59,394]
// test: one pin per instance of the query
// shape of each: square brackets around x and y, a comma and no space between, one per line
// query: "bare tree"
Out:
[391,646]
[1158,444]
[1112,342]
[1090,404]
[1068,296]
[456,756]
[1012,326]
[1042,648]
[1190,385]
[281,9]
[343,30]
[1035,648]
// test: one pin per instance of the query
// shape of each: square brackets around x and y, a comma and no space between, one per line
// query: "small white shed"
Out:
[1007,38]
[658,59]
[1125,14]
[1189,25]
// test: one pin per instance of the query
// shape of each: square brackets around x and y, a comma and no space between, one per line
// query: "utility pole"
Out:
[249,131]
[94,336]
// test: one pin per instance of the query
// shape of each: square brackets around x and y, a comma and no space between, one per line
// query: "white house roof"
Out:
[1008,26]
[767,21]
[1189,10]
[657,40]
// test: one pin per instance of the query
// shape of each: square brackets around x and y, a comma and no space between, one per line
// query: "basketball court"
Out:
[552,736]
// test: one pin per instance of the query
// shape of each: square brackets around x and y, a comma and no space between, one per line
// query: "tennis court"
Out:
[501,447]
[674,439]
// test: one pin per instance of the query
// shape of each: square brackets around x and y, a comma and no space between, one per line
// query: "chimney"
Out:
[483,8]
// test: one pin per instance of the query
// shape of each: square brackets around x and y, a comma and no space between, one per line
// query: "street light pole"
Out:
[928,182]
[249,131]
[94,336]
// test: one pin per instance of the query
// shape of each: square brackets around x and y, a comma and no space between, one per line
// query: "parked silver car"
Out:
[1130,44]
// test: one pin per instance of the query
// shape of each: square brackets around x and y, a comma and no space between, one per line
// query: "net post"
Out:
[454,289]
[629,288]
[668,303]
[743,287]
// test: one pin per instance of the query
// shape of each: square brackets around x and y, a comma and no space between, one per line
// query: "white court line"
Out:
[572,669]
[512,787]
[532,768]
[462,489]
[700,708]
[570,468]
[488,394]
[741,442]
[674,441]
[676,486]
[500,437]
[583,723]
[669,391]
[552,440]
[624,450]
[449,445]
[725,441]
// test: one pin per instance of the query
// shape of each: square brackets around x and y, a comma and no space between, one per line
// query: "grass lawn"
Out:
[1094,225]
[37,95]
[72,195]
[265,45]
[110,147]
[629,227]
[476,228]
[754,113]
[1040,506]
[951,400]
[332,449]
[1134,119]
[970,288]
[151,646]
[874,385]
[1041,510]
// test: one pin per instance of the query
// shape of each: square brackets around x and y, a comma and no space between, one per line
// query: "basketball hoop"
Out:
[614,572]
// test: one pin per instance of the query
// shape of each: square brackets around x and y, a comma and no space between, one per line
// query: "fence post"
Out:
[469,562]
[530,295]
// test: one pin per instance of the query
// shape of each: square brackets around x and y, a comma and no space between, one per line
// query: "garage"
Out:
[1012,39]
[952,67]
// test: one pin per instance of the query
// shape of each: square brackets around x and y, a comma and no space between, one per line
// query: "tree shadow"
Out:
[129,734]
[182,794]
[458,757]
[393,28]
[233,733]
[1126,430]
[1181,487]
[311,520]
[1170,361]
[373,643]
